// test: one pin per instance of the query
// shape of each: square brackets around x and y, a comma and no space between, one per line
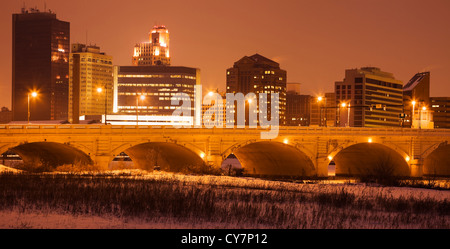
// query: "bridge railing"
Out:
[145,129]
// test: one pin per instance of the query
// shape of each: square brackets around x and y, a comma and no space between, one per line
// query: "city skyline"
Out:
[313,43]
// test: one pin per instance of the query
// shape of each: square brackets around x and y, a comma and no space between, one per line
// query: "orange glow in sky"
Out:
[314,41]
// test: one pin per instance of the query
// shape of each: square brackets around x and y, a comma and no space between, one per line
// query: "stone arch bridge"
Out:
[297,151]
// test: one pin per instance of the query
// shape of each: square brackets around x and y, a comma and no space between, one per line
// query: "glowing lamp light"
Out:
[249,101]
[343,104]
[286,141]
[210,93]
[142,97]
[369,140]
[330,157]
[407,158]
[319,98]
[424,108]
[34,94]
[202,155]
[99,90]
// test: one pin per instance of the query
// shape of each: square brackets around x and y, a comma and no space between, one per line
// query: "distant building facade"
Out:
[369,97]
[418,90]
[40,62]
[5,115]
[154,52]
[441,112]
[90,82]
[157,84]
[258,74]
[298,107]
[323,110]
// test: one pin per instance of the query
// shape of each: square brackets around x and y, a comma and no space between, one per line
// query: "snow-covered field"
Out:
[313,214]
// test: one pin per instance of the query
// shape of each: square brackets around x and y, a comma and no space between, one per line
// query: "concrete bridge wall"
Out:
[296,151]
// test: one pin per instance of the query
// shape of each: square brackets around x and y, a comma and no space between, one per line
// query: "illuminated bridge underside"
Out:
[438,162]
[370,159]
[297,151]
[168,156]
[50,154]
[273,158]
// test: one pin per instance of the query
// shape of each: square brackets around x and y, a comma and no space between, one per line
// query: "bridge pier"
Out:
[214,160]
[322,166]
[102,162]
[416,167]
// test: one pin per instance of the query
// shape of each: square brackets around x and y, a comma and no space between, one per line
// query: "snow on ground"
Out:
[52,219]
[4,168]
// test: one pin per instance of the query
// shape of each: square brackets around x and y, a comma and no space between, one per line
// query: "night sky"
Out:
[314,40]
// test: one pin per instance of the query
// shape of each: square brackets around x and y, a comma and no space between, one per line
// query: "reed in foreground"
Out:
[214,204]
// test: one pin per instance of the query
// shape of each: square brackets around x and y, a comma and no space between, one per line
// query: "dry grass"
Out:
[218,202]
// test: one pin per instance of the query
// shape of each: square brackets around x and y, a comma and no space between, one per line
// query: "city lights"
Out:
[33,95]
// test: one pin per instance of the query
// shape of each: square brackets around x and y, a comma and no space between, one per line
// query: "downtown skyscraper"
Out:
[40,63]
[91,90]
[258,74]
[154,52]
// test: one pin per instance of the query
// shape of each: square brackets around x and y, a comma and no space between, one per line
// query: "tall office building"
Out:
[90,82]
[258,74]
[157,84]
[154,52]
[40,62]
[418,90]
[369,97]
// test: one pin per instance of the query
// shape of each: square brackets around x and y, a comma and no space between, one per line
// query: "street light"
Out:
[142,97]
[100,90]
[319,100]
[344,105]
[413,111]
[424,108]
[34,95]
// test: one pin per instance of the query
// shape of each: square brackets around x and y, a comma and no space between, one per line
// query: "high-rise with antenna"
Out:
[40,62]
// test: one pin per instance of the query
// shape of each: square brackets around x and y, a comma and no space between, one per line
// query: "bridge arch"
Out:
[272,158]
[357,158]
[437,160]
[165,155]
[46,156]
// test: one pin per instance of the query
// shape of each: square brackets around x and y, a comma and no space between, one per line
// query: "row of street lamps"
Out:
[345,105]
[34,94]
[141,97]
